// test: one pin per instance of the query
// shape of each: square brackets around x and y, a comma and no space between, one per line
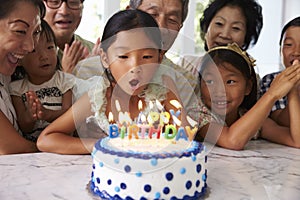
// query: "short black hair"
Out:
[130,19]
[6,7]
[293,22]
[251,10]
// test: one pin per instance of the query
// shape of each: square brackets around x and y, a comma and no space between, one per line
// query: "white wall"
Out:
[276,14]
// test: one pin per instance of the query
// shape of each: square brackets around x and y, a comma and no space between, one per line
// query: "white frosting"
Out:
[160,176]
[147,145]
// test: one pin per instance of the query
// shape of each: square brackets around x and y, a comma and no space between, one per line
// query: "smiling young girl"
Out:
[130,53]
[286,111]
[44,93]
[230,114]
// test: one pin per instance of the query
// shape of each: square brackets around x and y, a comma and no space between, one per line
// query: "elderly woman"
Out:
[20,26]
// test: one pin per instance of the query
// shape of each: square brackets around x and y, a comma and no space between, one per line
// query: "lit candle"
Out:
[133,131]
[124,117]
[143,126]
[140,106]
[159,106]
[192,122]
[177,105]
[153,130]
[151,105]
[113,130]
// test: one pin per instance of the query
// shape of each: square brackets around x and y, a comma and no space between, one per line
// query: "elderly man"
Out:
[64,17]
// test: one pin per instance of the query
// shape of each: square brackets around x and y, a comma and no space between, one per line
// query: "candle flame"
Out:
[176,104]
[110,117]
[118,107]
[140,105]
[176,121]
[159,106]
[143,118]
[192,122]
[151,105]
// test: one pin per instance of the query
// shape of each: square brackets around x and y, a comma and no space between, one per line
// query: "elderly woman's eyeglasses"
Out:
[72,4]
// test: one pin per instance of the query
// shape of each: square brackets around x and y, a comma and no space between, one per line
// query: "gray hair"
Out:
[134,4]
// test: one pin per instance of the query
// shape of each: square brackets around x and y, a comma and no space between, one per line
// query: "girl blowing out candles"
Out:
[130,54]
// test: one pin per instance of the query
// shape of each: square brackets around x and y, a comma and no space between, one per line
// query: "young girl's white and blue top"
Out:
[50,94]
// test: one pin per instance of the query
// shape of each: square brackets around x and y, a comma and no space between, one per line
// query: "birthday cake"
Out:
[147,168]
[153,157]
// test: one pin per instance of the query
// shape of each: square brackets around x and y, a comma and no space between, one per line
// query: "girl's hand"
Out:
[285,81]
[31,105]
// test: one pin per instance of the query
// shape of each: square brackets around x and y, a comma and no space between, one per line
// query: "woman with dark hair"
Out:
[131,54]
[228,21]
[224,22]
[20,27]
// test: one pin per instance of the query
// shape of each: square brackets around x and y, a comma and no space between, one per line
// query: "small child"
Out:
[230,114]
[286,111]
[44,92]
[131,55]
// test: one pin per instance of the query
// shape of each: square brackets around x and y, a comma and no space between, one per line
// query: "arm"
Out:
[240,132]
[281,116]
[237,135]
[57,137]
[288,135]
[279,134]
[294,116]
[11,141]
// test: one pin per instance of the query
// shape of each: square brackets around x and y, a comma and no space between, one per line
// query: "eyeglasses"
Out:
[72,4]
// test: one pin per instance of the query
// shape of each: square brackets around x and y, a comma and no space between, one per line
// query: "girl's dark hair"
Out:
[293,22]
[46,31]
[220,56]
[6,7]
[251,10]
[50,37]
[130,19]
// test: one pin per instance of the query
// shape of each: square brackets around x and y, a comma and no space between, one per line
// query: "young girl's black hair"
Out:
[50,37]
[220,56]
[293,22]
[127,20]
[130,19]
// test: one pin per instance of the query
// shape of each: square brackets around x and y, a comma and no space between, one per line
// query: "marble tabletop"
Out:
[262,171]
